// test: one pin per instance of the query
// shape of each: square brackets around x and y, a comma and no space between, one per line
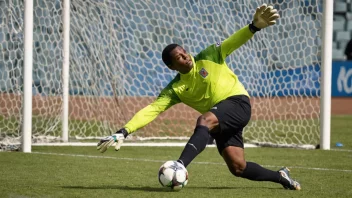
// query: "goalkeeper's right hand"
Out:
[118,137]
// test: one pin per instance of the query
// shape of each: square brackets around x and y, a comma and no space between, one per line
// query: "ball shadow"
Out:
[130,188]
[157,189]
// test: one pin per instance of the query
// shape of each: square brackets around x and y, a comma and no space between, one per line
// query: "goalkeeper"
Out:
[206,84]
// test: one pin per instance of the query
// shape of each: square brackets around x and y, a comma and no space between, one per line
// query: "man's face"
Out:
[181,61]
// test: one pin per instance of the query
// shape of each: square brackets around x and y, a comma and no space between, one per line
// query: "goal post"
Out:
[65,69]
[96,63]
[326,68]
[27,79]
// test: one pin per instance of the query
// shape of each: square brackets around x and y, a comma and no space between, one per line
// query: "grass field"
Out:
[132,172]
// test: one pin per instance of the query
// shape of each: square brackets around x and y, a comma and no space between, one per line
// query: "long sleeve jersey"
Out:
[209,82]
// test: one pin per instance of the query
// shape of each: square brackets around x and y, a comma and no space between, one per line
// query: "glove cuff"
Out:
[253,29]
[123,131]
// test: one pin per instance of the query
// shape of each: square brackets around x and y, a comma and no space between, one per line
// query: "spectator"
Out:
[348,50]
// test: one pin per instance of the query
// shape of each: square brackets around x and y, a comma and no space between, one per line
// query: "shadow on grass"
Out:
[105,187]
[157,189]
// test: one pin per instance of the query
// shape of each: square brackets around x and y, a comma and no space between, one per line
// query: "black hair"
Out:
[167,59]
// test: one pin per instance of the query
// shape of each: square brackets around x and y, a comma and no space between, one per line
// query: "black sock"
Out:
[195,145]
[255,172]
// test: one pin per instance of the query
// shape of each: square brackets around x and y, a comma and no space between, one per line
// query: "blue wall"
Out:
[302,81]
[341,79]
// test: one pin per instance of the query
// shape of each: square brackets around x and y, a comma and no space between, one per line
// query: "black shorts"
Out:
[233,114]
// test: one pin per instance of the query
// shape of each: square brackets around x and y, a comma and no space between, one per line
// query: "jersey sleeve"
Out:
[235,41]
[218,52]
[211,53]
[165,100]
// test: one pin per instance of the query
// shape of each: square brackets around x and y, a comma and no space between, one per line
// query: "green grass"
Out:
[132,172]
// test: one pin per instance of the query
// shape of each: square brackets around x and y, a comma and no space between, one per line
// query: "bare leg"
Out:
[234,158]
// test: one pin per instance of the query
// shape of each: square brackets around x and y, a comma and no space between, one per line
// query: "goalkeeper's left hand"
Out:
[118,137]
[265,16]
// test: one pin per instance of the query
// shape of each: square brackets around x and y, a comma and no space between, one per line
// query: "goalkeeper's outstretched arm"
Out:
[165,100]
[264,16]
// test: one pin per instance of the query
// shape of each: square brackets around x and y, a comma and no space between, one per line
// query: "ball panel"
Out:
[165,181]
[180,165]
[185,183]
[168,164]
[177,188]
[166,176]
[180,176]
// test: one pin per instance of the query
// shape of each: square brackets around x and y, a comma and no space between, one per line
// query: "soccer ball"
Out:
[173,174]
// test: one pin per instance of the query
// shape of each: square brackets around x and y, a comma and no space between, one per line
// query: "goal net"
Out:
[116,67]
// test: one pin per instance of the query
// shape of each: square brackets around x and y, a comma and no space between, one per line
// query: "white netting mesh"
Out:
[116,67]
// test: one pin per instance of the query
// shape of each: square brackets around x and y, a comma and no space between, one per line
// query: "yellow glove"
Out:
[265,16]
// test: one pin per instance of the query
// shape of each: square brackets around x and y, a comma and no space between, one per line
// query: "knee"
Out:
[208,120]
[237,168]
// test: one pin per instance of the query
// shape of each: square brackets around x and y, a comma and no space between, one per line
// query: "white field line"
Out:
[161,161]
[342,150]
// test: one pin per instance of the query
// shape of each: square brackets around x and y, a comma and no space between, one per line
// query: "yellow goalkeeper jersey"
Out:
[209,82]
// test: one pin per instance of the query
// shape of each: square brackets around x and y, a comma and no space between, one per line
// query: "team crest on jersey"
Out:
[203,73]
